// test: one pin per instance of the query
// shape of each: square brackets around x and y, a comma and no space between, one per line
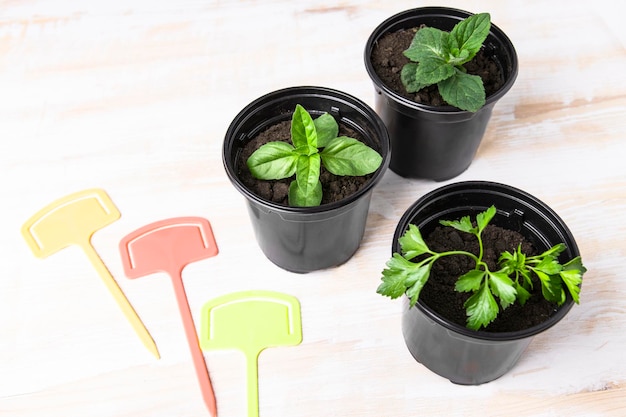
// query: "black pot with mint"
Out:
[429,138]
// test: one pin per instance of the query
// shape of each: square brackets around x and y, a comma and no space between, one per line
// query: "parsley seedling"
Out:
[438,57]
[341,156]
[513,281]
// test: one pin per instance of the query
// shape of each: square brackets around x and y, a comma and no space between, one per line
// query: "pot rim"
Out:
[325,93]
[515,194]
[448,12]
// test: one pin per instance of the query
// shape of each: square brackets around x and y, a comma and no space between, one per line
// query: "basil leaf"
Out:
[464,91]
[306,190]
[306,150]
[302,129]
[273,161]
[348,156]
[300,198]
[327,128]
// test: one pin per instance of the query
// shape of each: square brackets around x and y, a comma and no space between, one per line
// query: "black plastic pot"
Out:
[305,239]
[432,142]
[459,354]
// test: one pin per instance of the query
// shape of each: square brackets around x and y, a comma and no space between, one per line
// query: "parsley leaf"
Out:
[481,308]
[412,243]
[402,276]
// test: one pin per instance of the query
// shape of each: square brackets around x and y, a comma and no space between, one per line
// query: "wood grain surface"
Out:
[134,97]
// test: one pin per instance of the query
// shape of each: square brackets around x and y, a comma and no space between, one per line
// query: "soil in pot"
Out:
[388,59]
[439,294]
[334,187]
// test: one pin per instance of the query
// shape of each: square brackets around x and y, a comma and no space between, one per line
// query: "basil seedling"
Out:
[340,156]
[512,282]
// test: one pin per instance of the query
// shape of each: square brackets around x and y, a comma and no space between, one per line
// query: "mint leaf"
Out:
[306,190]
[433,70]
[303,131]
[412,244]
[408,78]
[481,308]
[458,57]
[273,161]
[428,43]
[463,90]
[469,34]
[347,156]
[327,128]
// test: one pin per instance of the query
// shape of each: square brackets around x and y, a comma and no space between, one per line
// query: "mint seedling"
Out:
[438,57]
[512,282]
[340,156]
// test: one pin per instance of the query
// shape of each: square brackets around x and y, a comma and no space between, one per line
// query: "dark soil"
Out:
[334,188]
[387,59]
[439,294]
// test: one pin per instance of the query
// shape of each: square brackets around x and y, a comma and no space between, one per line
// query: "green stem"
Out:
[480,249]
[436,256]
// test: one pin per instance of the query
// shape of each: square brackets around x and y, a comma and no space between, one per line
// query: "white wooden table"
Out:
[134,97]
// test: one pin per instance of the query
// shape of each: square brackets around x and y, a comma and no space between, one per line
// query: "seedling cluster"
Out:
[512,282]
[437,57]
[340,156]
